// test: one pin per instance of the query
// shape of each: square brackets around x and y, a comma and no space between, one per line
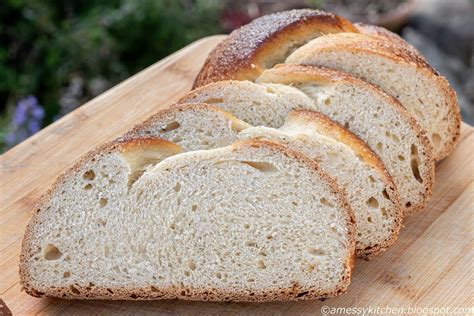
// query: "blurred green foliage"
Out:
[45,43]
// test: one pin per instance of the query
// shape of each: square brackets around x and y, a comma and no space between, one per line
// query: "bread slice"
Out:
[370,189]
[192,127]
[378,119]
[202,225]
[343,156]
[265,104]
[398,71]
[266,41]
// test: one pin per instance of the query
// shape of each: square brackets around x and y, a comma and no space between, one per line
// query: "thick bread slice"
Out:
[355,104]
[371,192]
[398,71]
[192,126]
[375,117]
[266,41]
[265,104]
[343,156]
[207,225]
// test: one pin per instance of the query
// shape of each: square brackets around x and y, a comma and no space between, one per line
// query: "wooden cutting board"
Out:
[429,266]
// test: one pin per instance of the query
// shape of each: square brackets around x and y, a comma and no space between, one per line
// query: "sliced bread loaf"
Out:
[208,225]
[344,157]
[398,71]
[354,166]
[266,41]
[376,118]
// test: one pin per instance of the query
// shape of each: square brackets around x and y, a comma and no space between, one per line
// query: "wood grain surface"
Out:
[431,265]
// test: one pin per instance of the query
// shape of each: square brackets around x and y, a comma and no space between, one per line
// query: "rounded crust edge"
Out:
[240,55]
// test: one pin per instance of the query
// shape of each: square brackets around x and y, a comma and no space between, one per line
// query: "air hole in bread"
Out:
[301,294]
[327,101]
[401,158]
[383,211]
[325,202]
[213,101]
[51,252]
[436,138]
[264,167]
[408,204]
[153,289]
[66,274]
[379,146]
[177,187]
[88,186]
[372,202]
[315,251]
[246,226]
[89,175]
[74,290]
[371,179]
[270,90]
[103,202]
[250,280]
[250,243]
[385,194]
[218,275]
[171,126]
[347,125]
[192,265]
[186,273]
[262,253]
[194,207]
[110,291]
[414,163]
[294,203]
[261,264]
[369,219]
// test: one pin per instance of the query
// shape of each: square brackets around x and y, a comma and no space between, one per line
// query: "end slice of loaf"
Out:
[342,155]
[398,71]
[203,225]
[266,41]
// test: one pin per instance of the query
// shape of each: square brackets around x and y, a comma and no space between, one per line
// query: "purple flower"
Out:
[26,120]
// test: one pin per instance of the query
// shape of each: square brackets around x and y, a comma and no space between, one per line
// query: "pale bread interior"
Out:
[421,92]
[201,221]
[366,113]
[372,196]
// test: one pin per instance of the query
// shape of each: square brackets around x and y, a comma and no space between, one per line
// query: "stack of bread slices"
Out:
[305,142]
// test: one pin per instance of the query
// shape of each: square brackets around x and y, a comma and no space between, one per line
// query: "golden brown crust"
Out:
[247,51]
[294,74]
[376,45]
[294,292]
[341,134]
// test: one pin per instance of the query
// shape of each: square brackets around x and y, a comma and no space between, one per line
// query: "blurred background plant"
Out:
[56,55]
